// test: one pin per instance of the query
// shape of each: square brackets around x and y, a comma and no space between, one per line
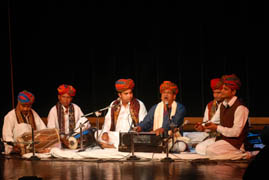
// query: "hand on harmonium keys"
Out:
[159,131]
[137,129]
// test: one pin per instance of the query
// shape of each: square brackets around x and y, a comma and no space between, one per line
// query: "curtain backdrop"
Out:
[92,44]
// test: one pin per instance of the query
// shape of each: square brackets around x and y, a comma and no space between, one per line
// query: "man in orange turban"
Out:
[126,112]
[20,120]
[65,114]
[160,121]
[161,115]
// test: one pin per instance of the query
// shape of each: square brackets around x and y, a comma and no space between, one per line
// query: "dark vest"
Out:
[227,120]
[134,110]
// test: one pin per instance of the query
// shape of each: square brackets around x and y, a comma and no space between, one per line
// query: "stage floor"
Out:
[15,168]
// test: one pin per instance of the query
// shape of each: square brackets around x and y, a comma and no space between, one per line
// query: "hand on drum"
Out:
[46,150]
[16,149]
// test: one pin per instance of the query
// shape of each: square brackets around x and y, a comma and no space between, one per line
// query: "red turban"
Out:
[124,84]
[232,81]
[169,85]
[25,97]
[216,84]
[66,89]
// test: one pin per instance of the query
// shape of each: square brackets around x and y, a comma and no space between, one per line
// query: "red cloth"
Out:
[216,83]
[169,85]
[25,97]
[232,81]
[124,84]
[64,88]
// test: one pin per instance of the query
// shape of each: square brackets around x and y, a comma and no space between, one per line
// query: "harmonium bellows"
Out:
[143,142]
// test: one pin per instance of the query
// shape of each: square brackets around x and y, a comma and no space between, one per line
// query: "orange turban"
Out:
[216,84]
[232,81]
[124,84]
[169,85]
[63,89]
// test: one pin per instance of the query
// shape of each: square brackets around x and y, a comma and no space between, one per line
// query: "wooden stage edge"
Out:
[256,123]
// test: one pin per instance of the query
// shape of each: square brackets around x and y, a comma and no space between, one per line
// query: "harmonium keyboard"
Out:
[143,142]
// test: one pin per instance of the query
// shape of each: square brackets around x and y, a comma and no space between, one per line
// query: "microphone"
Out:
[166,104]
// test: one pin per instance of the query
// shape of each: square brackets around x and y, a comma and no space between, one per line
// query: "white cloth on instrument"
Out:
[113,138]
[12,129]
[53,118]
[109,153]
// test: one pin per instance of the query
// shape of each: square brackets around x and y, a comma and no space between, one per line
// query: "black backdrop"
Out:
[91,44]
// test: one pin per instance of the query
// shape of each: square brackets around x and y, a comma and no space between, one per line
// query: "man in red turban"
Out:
[231,81]
[233,125]
[20,120]
[65,114]
[211,114]
[126,112]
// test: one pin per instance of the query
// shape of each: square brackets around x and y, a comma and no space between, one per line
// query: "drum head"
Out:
[73,143]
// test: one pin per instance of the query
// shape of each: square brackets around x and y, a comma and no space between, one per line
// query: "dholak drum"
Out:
[44,139]
[88,139]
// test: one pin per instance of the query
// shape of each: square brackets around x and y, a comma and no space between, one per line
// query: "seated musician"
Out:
[125,112]
[157,119]
[212,114]
[20,120]
[233,125]
[65,114]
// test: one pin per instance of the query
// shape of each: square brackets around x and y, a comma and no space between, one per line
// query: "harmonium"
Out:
[143,142]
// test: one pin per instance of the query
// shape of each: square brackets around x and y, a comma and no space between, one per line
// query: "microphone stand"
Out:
[172,126]
[132,157]
[97,135]
[97,123]
[81,137]
[33,157]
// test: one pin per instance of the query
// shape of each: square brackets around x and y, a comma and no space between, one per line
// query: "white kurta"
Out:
[124,122]
[53,118]
[12,129]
